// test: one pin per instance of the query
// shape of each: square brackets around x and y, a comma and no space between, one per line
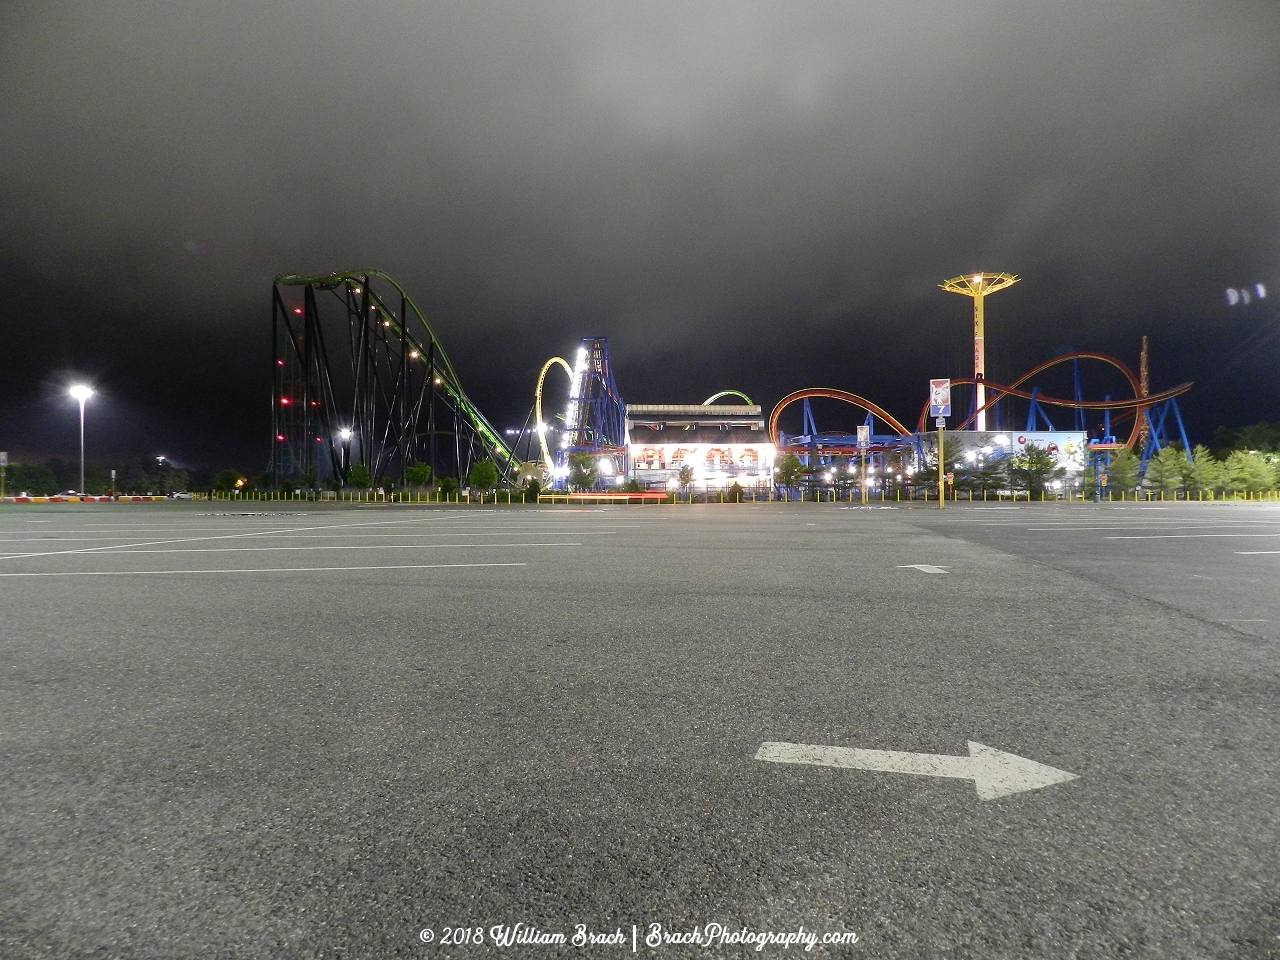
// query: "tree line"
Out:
[137,478]
[1239,459]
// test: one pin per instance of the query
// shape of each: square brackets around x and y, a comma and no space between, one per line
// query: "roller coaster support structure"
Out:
[595,418]
[359,376]
[1156,417]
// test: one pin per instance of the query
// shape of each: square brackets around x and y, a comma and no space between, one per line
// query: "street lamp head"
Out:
[345,434]
[81,392]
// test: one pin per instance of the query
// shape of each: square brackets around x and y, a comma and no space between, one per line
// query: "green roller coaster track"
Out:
[443,371]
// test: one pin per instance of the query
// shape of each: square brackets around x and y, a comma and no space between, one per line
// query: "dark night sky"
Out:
[761,196]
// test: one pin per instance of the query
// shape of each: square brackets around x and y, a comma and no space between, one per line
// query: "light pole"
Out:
[81,393]
[345,434]
[978,287]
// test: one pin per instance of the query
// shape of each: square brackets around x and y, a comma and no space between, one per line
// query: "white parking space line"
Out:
[375,546]
[922,567]
[158,573]
[1186,536]
[1255,553]
[1148,526]
[226,536]
[351,536]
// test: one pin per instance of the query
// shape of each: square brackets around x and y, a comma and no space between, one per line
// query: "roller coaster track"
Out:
[387,409]
[726,393]
[1139,403]
[832,394]
[540,425]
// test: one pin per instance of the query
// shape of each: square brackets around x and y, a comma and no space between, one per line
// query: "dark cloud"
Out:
[754,195]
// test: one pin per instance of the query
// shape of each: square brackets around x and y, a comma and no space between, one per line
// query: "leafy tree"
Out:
[35,479]
[1034,468]
[685,477]
[1122,474]
[225,481]
[309,478]
[735,493]
[532,490]
[1225,439]
[1207,472]
[67,472]
[582,471]
[419,475]
[1263,437]
[1250,471]
[788,471]
[358,476]
[632,486]
[483,475]
[449,486]
[990,476]
[134,478]
[1169,470]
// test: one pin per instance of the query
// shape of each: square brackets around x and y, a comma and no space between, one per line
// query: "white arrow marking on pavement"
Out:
[922,567]
[994,772]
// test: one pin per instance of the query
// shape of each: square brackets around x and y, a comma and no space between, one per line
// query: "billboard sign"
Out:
[939,398]
[1067,447]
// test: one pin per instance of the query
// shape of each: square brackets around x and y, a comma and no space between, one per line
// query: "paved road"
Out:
[318,733]
[1218,561]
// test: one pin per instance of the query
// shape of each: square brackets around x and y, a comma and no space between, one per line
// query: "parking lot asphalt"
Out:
[261,732]
[1219,561]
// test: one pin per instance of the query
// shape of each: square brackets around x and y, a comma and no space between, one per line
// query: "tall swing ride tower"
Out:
[978,286]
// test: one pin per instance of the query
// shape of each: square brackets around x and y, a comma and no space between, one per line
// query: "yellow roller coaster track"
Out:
[541,425]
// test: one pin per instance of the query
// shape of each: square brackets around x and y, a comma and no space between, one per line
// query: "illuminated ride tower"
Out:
[977,286]
[595,420]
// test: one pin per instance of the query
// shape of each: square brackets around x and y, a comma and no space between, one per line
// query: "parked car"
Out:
[179,495]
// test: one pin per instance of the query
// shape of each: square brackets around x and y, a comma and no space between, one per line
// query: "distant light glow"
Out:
[81,392]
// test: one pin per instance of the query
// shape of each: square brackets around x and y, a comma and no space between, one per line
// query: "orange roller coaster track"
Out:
[1136,405]
[832,394]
